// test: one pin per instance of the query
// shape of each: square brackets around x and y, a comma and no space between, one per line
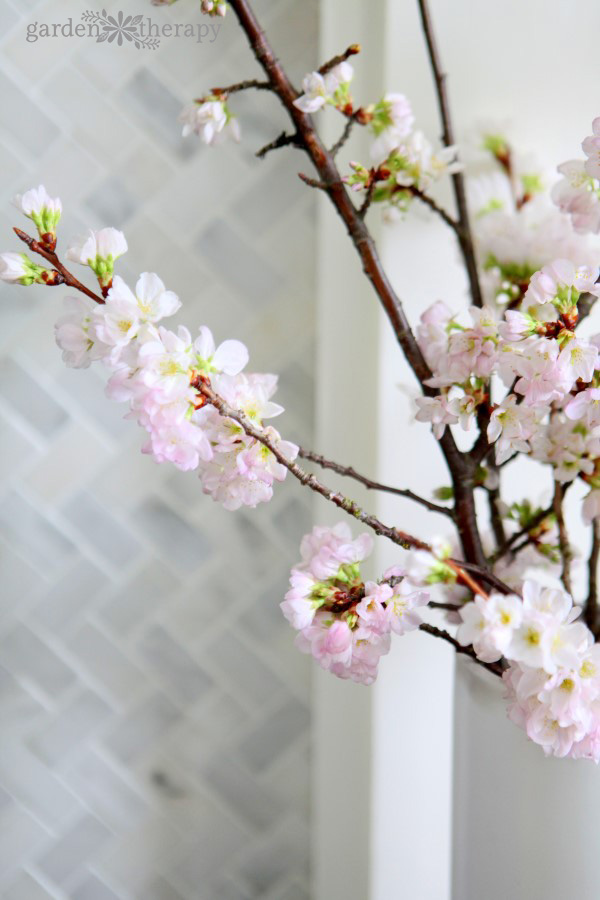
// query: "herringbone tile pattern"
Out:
[155,718]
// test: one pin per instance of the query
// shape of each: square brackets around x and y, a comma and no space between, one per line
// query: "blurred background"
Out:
[155,716]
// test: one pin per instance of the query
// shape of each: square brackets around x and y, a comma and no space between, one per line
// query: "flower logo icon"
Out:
[120,29]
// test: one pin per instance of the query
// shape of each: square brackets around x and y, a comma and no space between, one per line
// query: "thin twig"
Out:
[495,668]
[344,137]
[566,552]
[447,607]
[438,210]
[352,50]
[364,208]
[244,86]
[488,577]
[313,182]
[53,259]
[465,236]
[591,606]
[283,140]
[350,472]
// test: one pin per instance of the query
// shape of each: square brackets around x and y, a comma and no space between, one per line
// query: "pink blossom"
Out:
[591,148]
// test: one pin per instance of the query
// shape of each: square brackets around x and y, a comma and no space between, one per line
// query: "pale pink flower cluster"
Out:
[392,123]
[514,243]
[578,191]
[321,90]
[408,154]
[537,354]
[344,623]
[553,679]
[156,371]
[211,119]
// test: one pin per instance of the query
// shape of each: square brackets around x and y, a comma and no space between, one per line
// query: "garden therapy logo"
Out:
[140,30]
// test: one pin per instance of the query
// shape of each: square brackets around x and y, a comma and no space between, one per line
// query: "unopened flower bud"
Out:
[43,211]
[17,268]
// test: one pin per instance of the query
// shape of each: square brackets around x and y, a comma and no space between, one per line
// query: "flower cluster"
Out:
[160,373]
[404,160]
[211,119]
[330,89]
[578,191]
[551,408]
[342,621]
[553,679]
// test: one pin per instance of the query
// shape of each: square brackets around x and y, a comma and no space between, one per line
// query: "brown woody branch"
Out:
[495,668]
[251,83]
[591,607]
[343,138]
[283,140]
[464,236]
[350,472]
[438,210]
[564,545]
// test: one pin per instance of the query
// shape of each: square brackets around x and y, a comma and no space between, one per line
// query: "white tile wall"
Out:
[155,716]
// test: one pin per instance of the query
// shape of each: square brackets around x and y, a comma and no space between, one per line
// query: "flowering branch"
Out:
[402,538]
[202,412]
[462,469]
[350,472]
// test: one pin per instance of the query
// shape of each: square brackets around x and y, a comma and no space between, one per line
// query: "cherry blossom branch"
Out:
[53,259]
[350,472]
[465,237]
[401,538]
[495,668]
[564,545]
[591,606]
[461,467]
